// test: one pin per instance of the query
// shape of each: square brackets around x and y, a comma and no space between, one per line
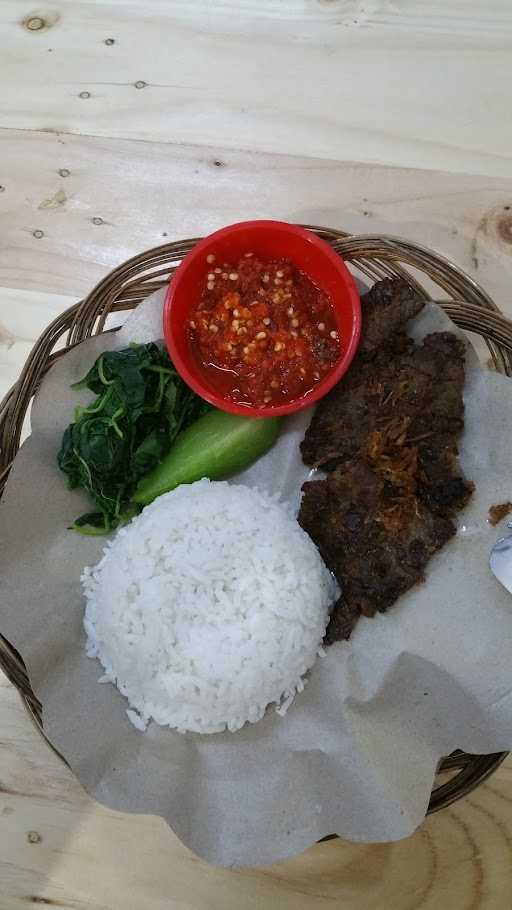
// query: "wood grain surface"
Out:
[90,203]
[397,81]
[123,125]
[73,207]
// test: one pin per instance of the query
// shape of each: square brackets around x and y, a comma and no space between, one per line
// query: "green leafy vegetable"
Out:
[141,406]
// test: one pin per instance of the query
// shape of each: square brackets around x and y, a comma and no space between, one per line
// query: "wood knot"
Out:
[39,22]
[494,228]
[35,23]
[34,837]
[504,228]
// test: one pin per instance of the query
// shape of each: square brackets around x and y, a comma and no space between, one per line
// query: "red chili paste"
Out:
[262,332]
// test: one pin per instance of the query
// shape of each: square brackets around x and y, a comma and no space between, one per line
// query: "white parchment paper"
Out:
[356,753]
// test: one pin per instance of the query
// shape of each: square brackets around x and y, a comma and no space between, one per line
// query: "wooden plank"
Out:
[117,197]
[375,81]
[61,849]
[404,83]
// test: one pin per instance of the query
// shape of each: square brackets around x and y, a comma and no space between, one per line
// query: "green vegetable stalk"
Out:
[145,433]
[215,446]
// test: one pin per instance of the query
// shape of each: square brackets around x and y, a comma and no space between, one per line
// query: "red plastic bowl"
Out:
[269,240]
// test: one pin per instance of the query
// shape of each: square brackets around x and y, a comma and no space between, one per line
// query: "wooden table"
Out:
[123,126]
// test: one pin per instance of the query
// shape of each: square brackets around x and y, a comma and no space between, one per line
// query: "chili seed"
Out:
[267,398]
[260,336]
[233,276]
[295,323]
[278,346]
[211,276]
[224,274]
[289,311]
[294,333]
[217,271]
[316,375]
[302,371]
[210,285]
[236,313]
[277,281]
[235,323]
[242,331]
[248,255]
[279,274]
[266,321]
[274,384]
[333,334]
[210,257]
[321,326]
[265,278]
[213,327]
[192,324]
[246,350]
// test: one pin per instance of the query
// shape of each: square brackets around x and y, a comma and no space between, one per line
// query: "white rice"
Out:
[208,607]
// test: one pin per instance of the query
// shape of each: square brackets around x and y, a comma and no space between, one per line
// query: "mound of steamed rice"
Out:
[208,607]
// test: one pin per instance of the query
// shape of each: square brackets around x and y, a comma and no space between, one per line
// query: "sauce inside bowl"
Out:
[263,333]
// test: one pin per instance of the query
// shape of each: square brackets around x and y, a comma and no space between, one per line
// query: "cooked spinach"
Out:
[141,406]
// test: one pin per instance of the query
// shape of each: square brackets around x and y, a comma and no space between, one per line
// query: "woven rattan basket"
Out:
[372,258]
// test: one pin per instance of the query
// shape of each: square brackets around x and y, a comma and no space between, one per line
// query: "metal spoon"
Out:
[500,560]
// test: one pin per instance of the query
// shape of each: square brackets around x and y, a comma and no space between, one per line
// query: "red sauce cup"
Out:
[268,240]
